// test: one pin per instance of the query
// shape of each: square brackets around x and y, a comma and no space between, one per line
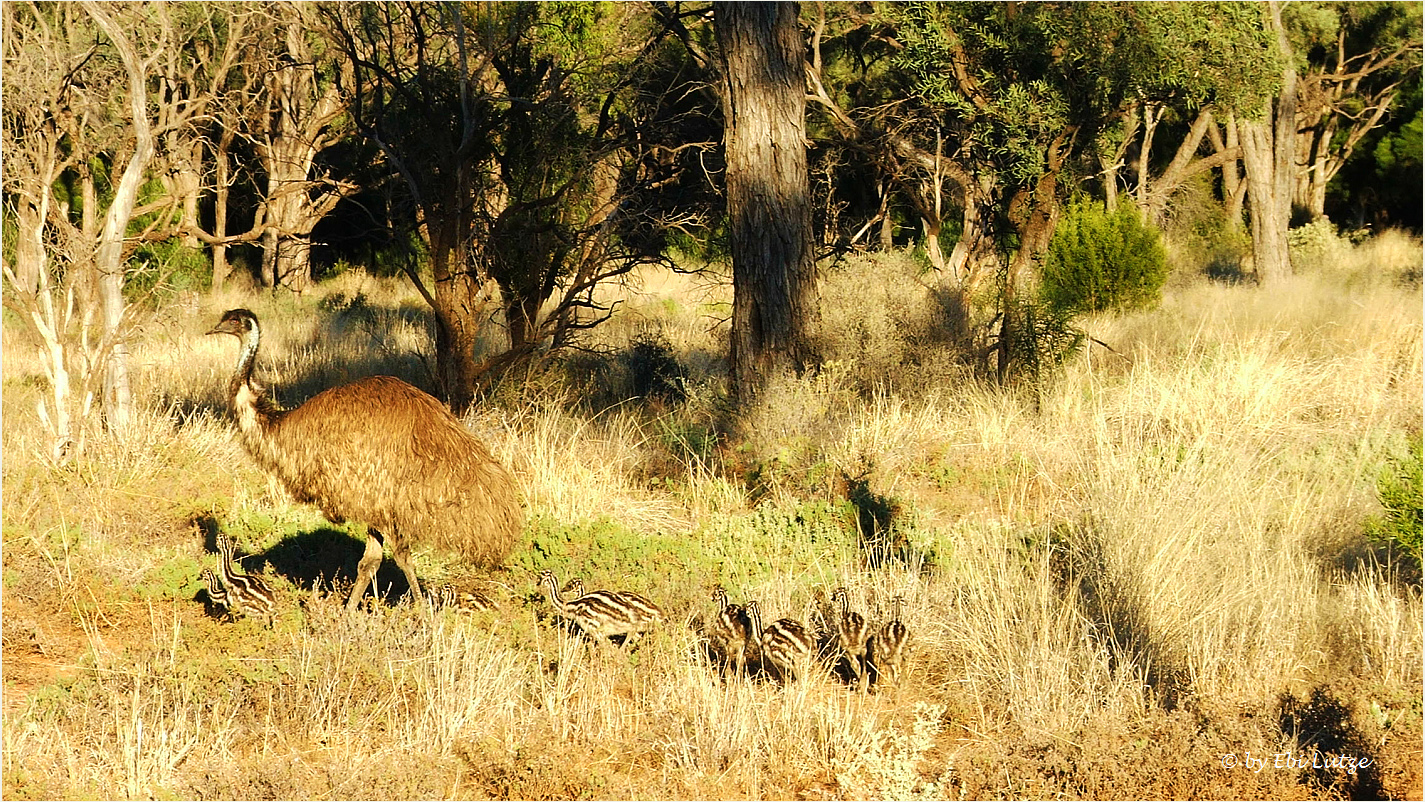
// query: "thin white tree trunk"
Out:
[109,256]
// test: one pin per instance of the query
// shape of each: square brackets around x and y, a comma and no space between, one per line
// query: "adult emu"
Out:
[381,452]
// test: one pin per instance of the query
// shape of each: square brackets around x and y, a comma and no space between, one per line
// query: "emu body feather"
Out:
[384,453]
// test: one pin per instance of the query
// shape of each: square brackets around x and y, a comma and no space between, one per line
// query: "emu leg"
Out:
[402,554]
[366,569]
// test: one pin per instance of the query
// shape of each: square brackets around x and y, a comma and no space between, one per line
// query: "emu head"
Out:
[238,322]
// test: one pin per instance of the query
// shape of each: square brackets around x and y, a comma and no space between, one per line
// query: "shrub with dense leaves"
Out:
[1398,487]
[1103,261]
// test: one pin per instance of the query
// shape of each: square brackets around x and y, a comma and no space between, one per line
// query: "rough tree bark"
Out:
[457,305]
[1034,212]
[768,198]
[1226,145]
[295,124]
[1269,159]
[222,183]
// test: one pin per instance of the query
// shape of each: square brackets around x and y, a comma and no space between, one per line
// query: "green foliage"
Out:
[739,551]
[712,243]
[1380,183]
[653,370]
[688,441]
[1399,488]
[173,579]
[1372,52]
[604,550]
[1037,339]
[1216,53]
[1315,240]
[1400,150]
[1006,81]
[160,269]
[1101,261]
[780,538]
[1019,101]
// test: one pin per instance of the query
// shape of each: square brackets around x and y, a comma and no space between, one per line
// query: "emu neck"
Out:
[250,407]
[242,374]
[551,589]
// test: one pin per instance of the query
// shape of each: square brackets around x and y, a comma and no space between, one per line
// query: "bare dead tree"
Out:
[83,105]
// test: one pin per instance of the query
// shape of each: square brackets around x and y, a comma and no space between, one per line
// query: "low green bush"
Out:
[1101,261]
[1399,489]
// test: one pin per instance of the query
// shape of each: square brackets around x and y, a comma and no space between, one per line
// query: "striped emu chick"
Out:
[603,613]
[442,596]
[888,646]
[246,593]
[217,594]
[447,597]
[852,634]
[645,608]
[383,453]
[729,632]
[782,645]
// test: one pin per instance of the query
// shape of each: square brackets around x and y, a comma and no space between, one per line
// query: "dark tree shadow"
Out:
[1113,603]
[1323,728]
[882,542]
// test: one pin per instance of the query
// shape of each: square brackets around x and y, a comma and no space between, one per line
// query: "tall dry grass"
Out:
[1139,572]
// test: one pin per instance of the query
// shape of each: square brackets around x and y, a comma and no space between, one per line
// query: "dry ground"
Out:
[1135,584]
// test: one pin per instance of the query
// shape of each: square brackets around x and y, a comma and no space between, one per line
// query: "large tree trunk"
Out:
[1270,210]
[291,211]
[1269,157]
[296,127]
[1152,115]
[1234,186]
[457,313]
[973,254]
[29,244]
[1034,212]
[1310,189]
[768,198]
[183,181]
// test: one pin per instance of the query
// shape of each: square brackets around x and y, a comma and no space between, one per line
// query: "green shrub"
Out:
[1316,242]
[653,369]
[1101,261]
[159,270]
[1038,338]
[1399,489]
